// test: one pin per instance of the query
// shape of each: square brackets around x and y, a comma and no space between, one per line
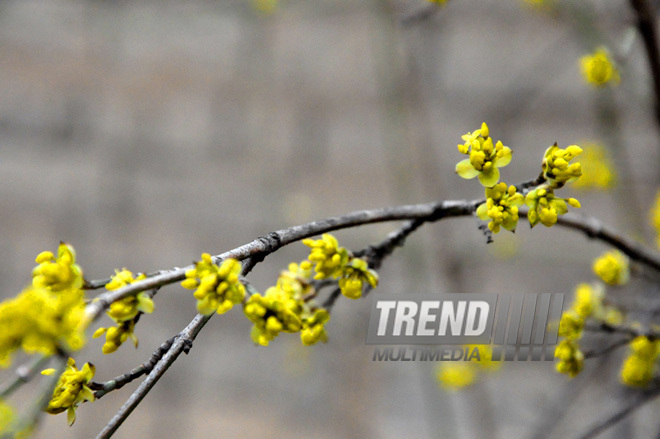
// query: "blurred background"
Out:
[147,132]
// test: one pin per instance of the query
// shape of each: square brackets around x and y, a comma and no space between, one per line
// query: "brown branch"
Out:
[421,14]
[595,229]
[100,389]
[261,247]
[258,249]
[611,419]
[606,350]
[182,343]
[24,374]
[647,28]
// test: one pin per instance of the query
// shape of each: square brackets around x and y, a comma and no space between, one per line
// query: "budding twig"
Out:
[258,249]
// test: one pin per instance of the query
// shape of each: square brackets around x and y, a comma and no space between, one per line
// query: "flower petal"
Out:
[482,212]
[505,159]
[71,415]
[489,178]
[465,169]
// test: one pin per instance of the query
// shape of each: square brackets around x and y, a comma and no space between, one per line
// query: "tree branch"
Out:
[24,374]
[647,27]
[622,413]
[101,389]
[258,249]
[182,343]
[428,212]
[265,245]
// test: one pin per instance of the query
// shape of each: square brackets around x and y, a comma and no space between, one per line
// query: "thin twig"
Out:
[621,414]
[595,229]
[96,284]
[24,374]
[616,329]
[258,249]
[647,27]
[421,14]
[376,253]
[182,343]
[611,348]
[265,245]
[33,414]
[101,389]
[429,212]
[522,187]
[332,298]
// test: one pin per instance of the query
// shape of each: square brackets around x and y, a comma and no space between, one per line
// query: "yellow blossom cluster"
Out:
[655,218]
[485,157]
[333,261]
[284,308]
[639,367]
[217,288]
[598,68]
[71,389]
[612,267]
[557,168]
[597,168]
[457,375]
[265,6]
[124,312]
[501,207]
[571,359]
[49,315]
[588,303]
[503,201]
[7,417]
[545,207]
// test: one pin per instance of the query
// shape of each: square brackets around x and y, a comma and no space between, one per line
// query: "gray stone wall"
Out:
[147,132]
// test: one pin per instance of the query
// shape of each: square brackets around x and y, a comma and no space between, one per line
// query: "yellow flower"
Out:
[40,321]
[544,207]
[354,275]
[571,325]
[655,217]
[455,375]
[286,308]
[71,389]
[217,289]
[597,169]
[556,167]
[265,6]
[458,375]
[485,158]
[337,262]
[272,313]
[115,336]
[571,359]
[57,273]
[124,312]
[612,267]
[639,367]
[588,300]
[598,69]
[313,330]
[329,258]
[128,307]
[501,207]
[7,417]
